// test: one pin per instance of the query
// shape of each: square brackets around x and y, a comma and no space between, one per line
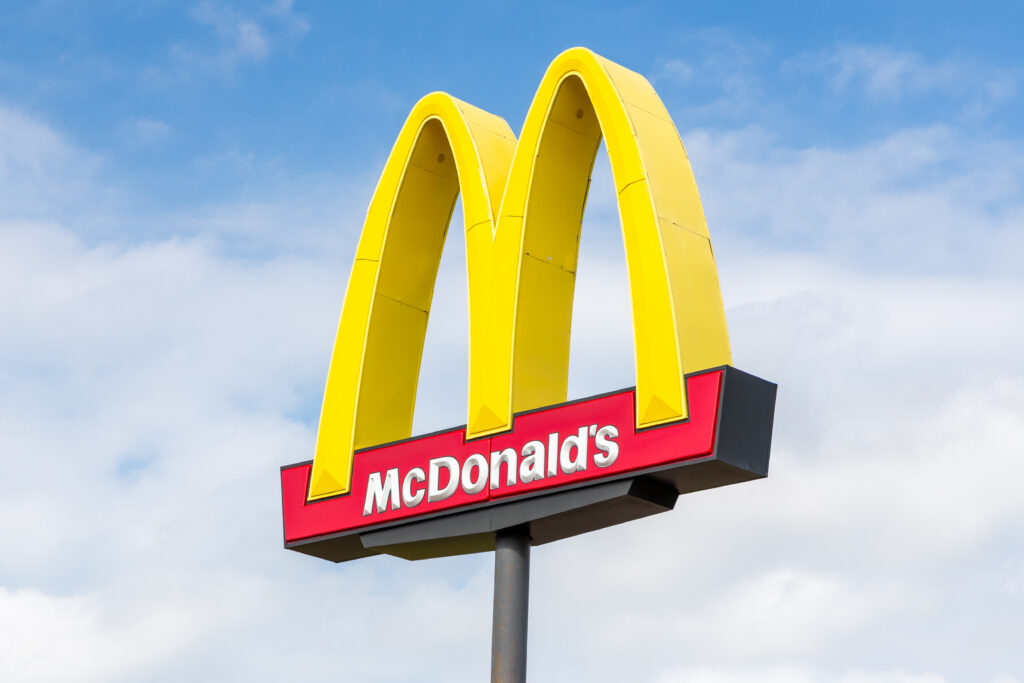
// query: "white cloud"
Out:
[721,67]
[794,676]
[144,131]
[41,173]
[100,636]
[672,69]
[925,200]
[242,38]
[150,390]
[804,676]
[886,73]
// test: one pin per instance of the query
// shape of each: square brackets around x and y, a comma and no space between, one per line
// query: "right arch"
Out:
[678,318]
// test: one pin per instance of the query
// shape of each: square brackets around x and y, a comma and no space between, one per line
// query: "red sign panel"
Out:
[547,450]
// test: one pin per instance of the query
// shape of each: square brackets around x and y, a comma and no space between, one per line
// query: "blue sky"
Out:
[191,104]
[181,189]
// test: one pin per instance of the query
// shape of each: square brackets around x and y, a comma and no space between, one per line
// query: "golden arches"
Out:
[521,259]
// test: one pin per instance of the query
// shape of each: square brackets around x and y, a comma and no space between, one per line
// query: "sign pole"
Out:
[714,422]
[511,605]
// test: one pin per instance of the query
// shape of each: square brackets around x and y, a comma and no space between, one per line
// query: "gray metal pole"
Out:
[511,605]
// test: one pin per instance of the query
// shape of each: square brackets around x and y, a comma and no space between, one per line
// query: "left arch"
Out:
[445,146]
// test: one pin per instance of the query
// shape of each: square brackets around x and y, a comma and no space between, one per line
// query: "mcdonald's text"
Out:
[537,459]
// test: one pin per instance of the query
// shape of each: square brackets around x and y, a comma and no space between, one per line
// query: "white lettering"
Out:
[470,485]
[509,457]
[388,490]
[578,442]
[435,492]
[378,492]
[532,466]
[552,458]
[412,500]
[609,449]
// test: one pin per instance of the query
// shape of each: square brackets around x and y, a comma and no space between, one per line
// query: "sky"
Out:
[182,186]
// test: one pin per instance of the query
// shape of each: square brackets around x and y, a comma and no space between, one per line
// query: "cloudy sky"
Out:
[181,190]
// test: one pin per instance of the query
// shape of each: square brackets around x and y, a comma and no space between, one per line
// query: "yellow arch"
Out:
[371,383]
[521,267]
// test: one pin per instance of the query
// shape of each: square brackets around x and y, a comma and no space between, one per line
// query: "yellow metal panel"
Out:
[558,192]
[417,230]
[659,386]
[394,347]
[668,172]
[522,210]
[338,413]
[544,339]
[700,317]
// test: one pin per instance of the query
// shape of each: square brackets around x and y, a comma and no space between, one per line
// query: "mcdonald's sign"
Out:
[526,456]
